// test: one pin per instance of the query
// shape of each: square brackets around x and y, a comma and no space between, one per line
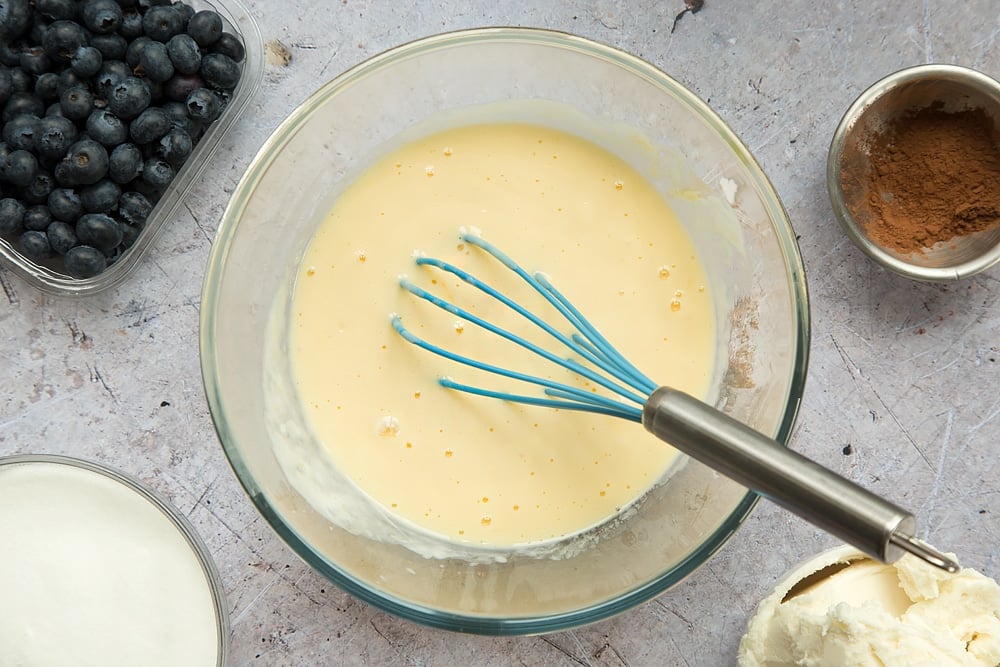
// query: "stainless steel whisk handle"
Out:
[800,485]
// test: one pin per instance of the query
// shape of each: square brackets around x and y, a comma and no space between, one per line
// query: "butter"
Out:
[843,608]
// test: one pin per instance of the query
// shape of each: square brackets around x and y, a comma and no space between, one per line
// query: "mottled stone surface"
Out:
[905,374]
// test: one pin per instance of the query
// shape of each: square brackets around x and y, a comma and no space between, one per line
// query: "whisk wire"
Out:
[568,364]
[573,343]
[592,338]
[625,381]
[576,399]
[595,347]
[600,351]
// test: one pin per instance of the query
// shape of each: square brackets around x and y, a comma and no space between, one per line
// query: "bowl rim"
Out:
[480,623]
[887,84]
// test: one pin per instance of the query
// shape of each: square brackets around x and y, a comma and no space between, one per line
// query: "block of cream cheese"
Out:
[843,608]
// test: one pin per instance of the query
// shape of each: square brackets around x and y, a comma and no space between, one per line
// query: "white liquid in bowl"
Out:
[92,573]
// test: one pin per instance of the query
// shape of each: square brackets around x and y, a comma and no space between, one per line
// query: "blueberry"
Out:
[11,216]
[61,237]
[85,163]
[70,79]
[20,81]
[125,163]
[98,230]
[63,38]
[131,25]
[86,61]
[150,126]
[220,71]
[47,87]
[113,254]
[37,218]
[181,85]
[65,204]
[146,4]
[205,27]
[100,197]
[37,30]
[38,190]
[83,261]
[53,135]
[185,10]
[175,147]
[112,47]
[76,103]
[155,61]
[107,128]
[129,98]
[101,16]
[15,18]
[130,234]
[34,61]
[178,114]
[19,133]
[134,50]
[229,45]
[151,192]
[134,208]
[184,53]
[204,105]
[162,22]
[155,91]
[112,73]
[9,53]
[34,245]
[157,172]
[56,10]
[22,104]
[6,85]
[20,167]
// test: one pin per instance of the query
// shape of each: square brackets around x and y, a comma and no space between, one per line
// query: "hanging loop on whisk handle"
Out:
[823,498]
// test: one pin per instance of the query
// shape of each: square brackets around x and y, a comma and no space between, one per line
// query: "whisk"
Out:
[818,495]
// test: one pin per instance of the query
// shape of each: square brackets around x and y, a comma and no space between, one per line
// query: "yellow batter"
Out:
[471,469]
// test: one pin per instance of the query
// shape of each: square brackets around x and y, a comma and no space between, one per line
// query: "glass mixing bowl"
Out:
[719,193]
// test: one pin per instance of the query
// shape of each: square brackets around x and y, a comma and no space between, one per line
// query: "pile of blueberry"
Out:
[102,102]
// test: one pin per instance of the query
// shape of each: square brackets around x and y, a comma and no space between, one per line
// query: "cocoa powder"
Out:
[934,175]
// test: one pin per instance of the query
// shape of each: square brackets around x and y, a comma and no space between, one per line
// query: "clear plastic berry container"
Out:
[49,275]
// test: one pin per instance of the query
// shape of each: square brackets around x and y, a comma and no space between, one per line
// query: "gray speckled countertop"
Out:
[905,374]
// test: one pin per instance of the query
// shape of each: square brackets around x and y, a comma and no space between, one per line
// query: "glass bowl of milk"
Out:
[97,569]
[579,160]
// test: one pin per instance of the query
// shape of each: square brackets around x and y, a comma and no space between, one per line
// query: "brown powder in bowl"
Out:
[934,175]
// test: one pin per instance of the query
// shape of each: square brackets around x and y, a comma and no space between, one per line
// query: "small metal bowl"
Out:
[956,89]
